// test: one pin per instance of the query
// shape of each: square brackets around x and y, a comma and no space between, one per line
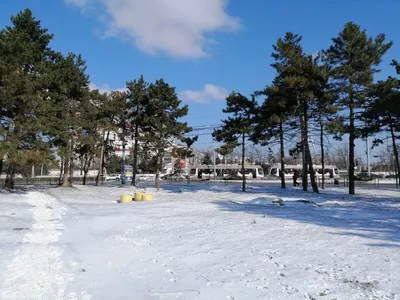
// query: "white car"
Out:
[113,177]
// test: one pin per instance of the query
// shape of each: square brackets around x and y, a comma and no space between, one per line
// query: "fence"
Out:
[48,180]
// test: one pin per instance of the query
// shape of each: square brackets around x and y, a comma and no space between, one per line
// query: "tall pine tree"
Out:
[383,114]
[273,122]
[239,125]
[298,79]
[353,59]
[24,53]
[68,95]
[161,119]
[137,102]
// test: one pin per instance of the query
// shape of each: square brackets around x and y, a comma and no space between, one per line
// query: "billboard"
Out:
[127,172]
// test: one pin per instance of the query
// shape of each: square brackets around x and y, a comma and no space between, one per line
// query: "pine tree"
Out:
[24,51]
[353,59]
[383,113]
[239,125]
[207,160]
[324,109]
[161,121]
[88,138]
[226,149]
[137,102]
[273,123]
[68,94]
[298,79]
[113,118]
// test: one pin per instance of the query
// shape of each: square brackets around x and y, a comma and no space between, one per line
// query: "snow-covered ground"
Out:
[203,241]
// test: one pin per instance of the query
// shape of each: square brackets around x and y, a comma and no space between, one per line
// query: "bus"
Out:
[223,171]
[331,171]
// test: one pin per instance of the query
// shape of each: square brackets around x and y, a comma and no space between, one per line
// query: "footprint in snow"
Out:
[83,296]
[72,296]
[261,287]
[281,266]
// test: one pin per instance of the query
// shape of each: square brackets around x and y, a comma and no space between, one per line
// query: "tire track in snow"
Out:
[36,271]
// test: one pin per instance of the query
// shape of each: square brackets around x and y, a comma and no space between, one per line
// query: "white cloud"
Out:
[179,28]
[209,93]
[104,88]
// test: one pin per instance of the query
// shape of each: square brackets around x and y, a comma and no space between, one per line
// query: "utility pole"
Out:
[214,163]
[123,163]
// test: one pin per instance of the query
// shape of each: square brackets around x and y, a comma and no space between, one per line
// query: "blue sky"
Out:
[205,48]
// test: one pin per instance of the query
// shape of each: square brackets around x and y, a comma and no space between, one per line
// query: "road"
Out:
[359,184]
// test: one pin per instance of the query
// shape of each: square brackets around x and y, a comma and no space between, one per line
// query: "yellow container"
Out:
[147,197]
[125,198]
[139,196]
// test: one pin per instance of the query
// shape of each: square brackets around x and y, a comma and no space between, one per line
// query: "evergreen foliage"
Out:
[161,121]
[49,116]
[353,59]
[239,125]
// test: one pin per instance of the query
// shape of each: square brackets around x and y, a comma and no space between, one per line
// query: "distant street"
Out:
[359,184]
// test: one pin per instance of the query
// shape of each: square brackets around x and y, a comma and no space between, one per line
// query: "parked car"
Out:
[111,177]
[392,176]
[363,177]
[174,176]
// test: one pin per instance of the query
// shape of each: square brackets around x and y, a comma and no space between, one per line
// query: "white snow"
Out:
[36,271]
[201,241]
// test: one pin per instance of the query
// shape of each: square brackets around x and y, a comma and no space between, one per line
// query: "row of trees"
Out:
[48,112]
[333,93]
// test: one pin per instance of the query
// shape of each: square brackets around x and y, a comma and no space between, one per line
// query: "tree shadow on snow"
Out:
[232,187]
[24,189]
[369,217]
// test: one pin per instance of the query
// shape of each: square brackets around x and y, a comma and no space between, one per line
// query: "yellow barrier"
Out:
[147,197]
[139,196]
[125,198]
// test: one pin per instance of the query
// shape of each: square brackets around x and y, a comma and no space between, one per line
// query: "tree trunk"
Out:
[396,155]
[84,177]
[65,182]
[351,144]
[100,172]
[314,184]
[159,168]
[86,166]
[135,155]
[71,165]
[322,152]
[9,183]
[282,152]
[1,167]
[85,172]
[243,169]
[309,161]
[61,171]
[304,142]
[67,161]
[81,166]
[105,155]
